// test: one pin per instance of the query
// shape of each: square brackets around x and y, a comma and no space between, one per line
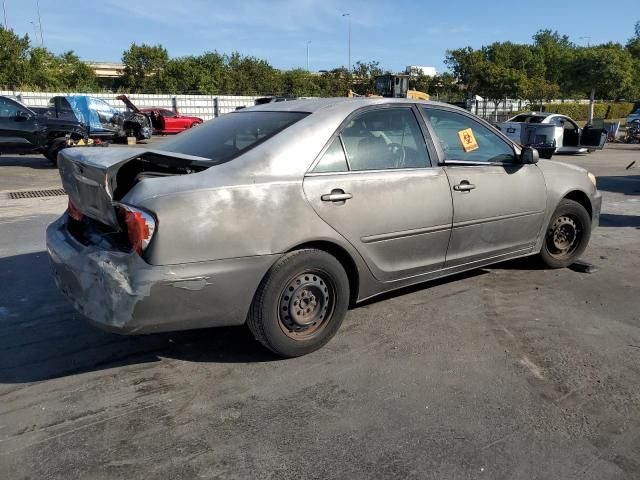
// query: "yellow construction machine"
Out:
[392,85]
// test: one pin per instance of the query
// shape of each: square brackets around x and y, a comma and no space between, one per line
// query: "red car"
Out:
[163,120]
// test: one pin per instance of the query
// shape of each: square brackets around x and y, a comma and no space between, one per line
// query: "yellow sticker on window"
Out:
[468,140]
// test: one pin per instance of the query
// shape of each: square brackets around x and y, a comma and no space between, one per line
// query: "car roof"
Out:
[311,105]
[537,114]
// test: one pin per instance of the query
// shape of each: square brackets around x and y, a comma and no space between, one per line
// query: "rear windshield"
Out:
[224,138]
[528,118]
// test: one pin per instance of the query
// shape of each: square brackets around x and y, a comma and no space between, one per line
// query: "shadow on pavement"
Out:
[42,337]
[422,286]
[30,161]
[613,220]
[626,184]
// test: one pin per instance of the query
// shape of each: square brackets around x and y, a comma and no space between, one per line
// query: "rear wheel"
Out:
[567,236]
[51,153]
[300,304]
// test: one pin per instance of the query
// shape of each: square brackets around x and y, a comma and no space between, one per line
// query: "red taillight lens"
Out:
[73,212]
[138,225]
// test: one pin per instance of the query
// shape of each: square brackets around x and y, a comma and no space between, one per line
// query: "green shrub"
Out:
[619,110]
[580,111]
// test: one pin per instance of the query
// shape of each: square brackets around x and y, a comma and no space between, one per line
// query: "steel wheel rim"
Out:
[564,236]
[306,304]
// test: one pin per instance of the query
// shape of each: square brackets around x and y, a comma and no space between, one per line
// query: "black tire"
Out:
[300,303]
[51,153]
[567,235]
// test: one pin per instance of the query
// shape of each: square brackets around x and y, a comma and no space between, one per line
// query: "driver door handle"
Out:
[336,195]
[464,186]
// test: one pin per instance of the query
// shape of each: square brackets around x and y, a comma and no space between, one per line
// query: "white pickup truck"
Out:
[552,133]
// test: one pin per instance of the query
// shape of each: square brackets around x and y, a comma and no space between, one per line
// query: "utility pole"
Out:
[349,18]
[308,43]
[4,11]
[40,23]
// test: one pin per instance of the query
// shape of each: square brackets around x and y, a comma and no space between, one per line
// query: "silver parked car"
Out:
[283,215]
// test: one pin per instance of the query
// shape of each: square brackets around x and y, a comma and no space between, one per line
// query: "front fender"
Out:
[562,180]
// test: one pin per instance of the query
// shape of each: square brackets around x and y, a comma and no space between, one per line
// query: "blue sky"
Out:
[396,33]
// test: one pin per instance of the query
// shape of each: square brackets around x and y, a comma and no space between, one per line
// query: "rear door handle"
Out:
[336,195]
[464,186]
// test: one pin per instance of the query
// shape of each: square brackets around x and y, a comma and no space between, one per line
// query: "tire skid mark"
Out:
[55,435]
[76,429]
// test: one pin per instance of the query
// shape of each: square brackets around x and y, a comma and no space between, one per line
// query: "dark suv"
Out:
[22,130]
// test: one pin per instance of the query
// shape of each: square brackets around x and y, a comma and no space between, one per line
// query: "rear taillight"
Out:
[74,212]
[138,225]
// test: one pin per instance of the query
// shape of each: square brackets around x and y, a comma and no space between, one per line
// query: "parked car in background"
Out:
[23,130]
[633,116]
[633,131]
[552,133]
[163,120]
[282,215]
[99,118]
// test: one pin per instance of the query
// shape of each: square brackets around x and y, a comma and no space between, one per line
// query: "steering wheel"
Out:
[397,154]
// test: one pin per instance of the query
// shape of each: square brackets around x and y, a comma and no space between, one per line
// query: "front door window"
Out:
[464,139]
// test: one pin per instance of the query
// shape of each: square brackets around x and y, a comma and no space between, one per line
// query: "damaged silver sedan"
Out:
[282,215]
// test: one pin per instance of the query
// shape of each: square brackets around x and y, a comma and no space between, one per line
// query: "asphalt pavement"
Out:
[509,372]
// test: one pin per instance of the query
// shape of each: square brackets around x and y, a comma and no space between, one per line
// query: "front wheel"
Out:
[300,303]
[567,235]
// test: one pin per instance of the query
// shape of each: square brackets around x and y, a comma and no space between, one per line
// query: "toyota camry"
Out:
[283,215]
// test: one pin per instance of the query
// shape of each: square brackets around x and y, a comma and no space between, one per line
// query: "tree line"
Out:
[550,67]
[149,69]
[23,66]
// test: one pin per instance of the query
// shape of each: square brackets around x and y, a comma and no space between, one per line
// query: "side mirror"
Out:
[529,155]
[22,116]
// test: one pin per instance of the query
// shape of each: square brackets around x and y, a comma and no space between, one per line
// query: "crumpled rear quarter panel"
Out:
[120,292]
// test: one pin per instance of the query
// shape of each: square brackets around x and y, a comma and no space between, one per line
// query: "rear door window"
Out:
[385,139]
[333,160]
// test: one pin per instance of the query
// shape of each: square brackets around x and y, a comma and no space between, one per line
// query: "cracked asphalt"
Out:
[509,372]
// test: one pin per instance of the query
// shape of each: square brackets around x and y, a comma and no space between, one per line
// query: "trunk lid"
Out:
[95,178]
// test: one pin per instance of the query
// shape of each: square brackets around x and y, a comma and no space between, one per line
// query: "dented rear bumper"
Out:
[120,292]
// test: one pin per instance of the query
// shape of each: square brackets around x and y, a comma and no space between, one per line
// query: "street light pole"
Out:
[40,23]
[349,18]
[308,43]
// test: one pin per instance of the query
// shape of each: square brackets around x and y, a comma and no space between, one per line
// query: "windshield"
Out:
[382,85]
[227,137]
